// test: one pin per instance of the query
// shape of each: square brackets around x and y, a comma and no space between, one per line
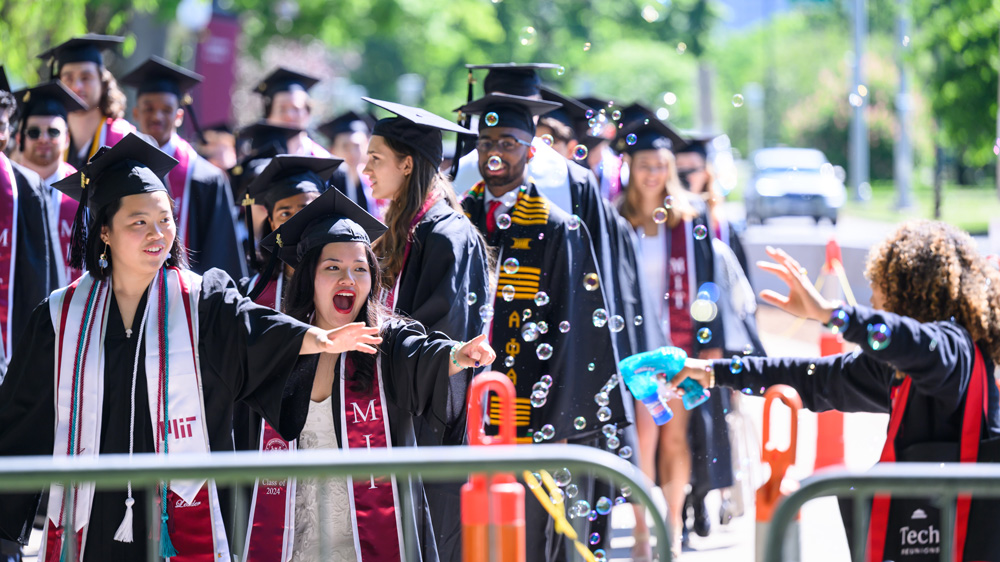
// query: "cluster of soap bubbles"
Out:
[545,434]
[540,391]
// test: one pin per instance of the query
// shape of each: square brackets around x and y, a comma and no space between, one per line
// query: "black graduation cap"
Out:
[4,84]
[50,98]
[157,75]
[503,110]
[287,175]
[519,79]
[331,217]
[648,133]
[697,142]
[347,122]
[595,103]
[85,48]
[417,128]
[250,167]
[284,80]
[263,133]
[130,167]
[571,112]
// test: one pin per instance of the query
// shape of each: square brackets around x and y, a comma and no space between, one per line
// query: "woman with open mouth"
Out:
[149,357]
[434,261]
[359,400]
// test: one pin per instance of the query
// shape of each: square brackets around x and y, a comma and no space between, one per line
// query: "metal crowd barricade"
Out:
[943,480]
[429,463]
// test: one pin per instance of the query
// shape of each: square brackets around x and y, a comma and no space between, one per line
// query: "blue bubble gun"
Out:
[667,361]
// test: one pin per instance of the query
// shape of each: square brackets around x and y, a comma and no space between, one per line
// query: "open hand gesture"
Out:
[803,299]
[355,336]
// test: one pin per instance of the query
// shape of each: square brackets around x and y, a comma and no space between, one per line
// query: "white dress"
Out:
[319,432]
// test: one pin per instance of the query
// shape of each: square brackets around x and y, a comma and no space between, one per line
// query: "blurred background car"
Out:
[794,182]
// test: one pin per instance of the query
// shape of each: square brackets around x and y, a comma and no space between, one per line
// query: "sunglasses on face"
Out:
[34,133]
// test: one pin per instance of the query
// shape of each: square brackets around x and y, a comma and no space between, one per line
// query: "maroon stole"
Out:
[180,182]
[8,250]
[375,510]
[65,207]
[972,423]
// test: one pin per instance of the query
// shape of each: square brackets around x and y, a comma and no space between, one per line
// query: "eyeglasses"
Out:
[34,133]
[504,145]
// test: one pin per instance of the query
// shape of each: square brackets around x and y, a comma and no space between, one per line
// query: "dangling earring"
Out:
[103,260]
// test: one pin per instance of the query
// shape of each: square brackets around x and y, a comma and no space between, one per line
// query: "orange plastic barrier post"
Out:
[496,501]
[830,424]
[779,460]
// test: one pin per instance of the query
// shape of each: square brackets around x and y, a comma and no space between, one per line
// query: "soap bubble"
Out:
[614,442]
[616,323]
[527,35]
[581,508]
[540,386]
[580,423]
[609,429]
[572,490]
[660,215]
[839,321]
[538,478]
[592,516]
[510,265]
[491,119]
[558,496]
[603,505]
[538,398]
[736,365]
[503,221]
[879,336]
[544,351]
[591,282]
[668,202]
[748,349]
[700,232]
[600,555]
[591,367]
[602,399]
[738,100]
[812,369]
[620,500]
[486,312]
[471,299]
[637,321]
[560,71]
[509,198]
[704,335]
[580,152]
[934,344]
[704,310]
[526,314]
[537,437]
[541,298]
[595,538]
[547,139]
[603,414]
[546,380]
[630,139]
[586,46]
[529,332]
[509,361]
[564,326]
[562,476]
[626,491]
[589,114]
[508,292]
[600,317]
[543,327]
[616,115]
[494,163]
[711,291]
[625,452]
[592,122]
[573,223]
[548,432]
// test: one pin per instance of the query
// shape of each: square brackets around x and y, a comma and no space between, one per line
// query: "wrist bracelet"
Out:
[454,353]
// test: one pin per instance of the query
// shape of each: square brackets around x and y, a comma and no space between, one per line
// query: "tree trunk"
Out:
[938,180]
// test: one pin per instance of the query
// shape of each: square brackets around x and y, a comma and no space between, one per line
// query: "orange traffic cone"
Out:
[496,502]
[830,425]
[776,487]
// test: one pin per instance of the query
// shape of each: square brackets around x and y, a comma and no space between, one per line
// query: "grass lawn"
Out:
[968,207]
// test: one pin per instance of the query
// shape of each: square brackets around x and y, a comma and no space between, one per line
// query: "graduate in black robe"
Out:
[348,135]
[435,262]
[918,364]
[329,245]
[550,322]
[246,352]
[205,213]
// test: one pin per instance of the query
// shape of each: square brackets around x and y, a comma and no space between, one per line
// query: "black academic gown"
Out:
[937,356]
[415,367]
[35,271]
[447,262]
[554,259]
[247,353]
[211,235]
[339,180]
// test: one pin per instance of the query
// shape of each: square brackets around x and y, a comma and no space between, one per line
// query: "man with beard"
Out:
[548,316]
[202,199]
[79,65]
[44,139]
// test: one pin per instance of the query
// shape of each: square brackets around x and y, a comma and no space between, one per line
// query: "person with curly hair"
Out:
[926,353]
[79,65]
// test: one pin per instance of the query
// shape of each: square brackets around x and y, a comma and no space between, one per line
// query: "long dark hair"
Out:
[95,246]
[298,303]
[113,100]
[425,179]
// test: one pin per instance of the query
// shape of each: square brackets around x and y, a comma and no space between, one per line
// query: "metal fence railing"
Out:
[430,463]
[942,480]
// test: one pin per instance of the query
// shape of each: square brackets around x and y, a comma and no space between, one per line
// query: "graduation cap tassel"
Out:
[124,533]
[465,121]
[81,232]
[189,108]
[265,277]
